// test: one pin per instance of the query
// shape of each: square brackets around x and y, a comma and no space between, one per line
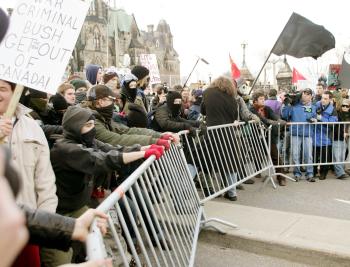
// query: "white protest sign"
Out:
[40,41]
[150,62]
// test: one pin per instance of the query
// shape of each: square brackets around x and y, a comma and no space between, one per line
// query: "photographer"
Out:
[326,112]
[301,110]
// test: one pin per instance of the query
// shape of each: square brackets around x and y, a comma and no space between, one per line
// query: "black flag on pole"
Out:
[344,74]
[303,38]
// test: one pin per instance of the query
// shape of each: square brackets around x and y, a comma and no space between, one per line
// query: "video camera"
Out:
[292,98]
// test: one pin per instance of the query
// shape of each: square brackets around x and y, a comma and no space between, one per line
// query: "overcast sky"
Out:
[213,29]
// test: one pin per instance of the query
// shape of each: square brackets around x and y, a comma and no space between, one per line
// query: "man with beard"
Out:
[142,75]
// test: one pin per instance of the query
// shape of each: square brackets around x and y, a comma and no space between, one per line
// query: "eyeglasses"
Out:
[345,106]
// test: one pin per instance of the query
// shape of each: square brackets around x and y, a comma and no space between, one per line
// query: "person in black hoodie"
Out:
[78,157]
[167,117]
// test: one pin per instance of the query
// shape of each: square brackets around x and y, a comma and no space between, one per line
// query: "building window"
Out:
[92,9]
[157,43]
[97,39]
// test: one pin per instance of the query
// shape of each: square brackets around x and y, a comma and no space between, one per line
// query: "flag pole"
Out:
[191,72]
[256,79]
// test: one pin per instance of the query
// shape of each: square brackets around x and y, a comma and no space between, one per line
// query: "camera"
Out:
[292,98]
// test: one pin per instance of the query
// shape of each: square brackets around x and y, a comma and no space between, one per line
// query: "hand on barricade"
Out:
[203,130]
[312,120]
[151,151]
[164,143]
[173,137]
[319,117]
[192,132]
[159,148]
[255,118]
[282,122]
[83,223]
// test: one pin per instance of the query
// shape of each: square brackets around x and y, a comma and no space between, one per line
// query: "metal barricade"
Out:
[158,211]
[226,156]
[310,145]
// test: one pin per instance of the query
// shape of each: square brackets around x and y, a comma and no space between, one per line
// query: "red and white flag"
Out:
[297,76]
[235,72]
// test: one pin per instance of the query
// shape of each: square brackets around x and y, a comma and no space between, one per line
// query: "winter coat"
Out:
[194,112]
[219,107]
[300,113]
[48,229]
[117,134]
[75,165]
[244,113]
[323,133]
[274,104]
[164,121]
[270,119]
[340,129]
[31,157]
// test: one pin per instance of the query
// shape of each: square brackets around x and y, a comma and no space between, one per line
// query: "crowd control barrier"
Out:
[310,145]
[158,214]
[226,156]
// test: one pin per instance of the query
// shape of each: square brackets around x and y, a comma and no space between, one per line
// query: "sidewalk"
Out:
[303,238]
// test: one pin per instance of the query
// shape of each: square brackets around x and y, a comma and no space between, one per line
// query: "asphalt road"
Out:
[328,198]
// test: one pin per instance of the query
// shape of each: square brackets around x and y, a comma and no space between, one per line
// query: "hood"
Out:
[91,73]
[73,120]
[4,22]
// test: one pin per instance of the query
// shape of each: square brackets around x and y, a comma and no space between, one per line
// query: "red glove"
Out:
[167,137]
[162,142]
[149,152]
[159,148]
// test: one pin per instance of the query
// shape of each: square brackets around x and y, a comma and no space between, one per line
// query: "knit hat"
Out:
[137,117]
[58,102]
[78,83]
[346,102]
[4,24]
[109,76]
[140,72]
[100,91]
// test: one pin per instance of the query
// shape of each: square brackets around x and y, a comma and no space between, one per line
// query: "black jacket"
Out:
[75,165]
[49,230]
[218,107]
[164,121]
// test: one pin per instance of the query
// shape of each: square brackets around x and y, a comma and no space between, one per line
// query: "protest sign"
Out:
[40,41]
[150,62]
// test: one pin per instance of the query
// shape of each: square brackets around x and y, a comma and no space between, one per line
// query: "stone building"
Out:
[109,34]
[284,77]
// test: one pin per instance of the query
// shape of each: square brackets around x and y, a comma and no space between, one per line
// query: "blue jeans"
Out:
[232,178]
[296,143]
[338,155]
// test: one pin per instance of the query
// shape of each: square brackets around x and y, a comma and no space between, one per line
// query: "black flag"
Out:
[344,74]
[303,38]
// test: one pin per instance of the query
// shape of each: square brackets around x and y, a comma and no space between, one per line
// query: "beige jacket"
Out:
[31,157]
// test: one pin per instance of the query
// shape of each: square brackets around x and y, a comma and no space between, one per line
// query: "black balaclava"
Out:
[88,138]
[106,112]
[130,92]
[174,108]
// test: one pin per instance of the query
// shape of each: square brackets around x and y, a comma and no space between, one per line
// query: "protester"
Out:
[160,97]
[220,107]
[269,117]
[273,103]
[320,88]
[129,93]
[340,136]
[78,157]
[94,74]
[67,90]
[143,79]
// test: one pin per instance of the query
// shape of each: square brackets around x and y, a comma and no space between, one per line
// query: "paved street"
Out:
[319,198]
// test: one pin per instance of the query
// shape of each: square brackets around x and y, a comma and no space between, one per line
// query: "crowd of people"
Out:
[62,153]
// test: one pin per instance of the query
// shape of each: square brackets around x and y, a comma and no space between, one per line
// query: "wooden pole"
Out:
[11,109]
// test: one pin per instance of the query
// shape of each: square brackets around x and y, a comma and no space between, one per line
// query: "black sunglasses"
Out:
[344,106]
